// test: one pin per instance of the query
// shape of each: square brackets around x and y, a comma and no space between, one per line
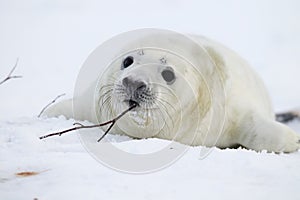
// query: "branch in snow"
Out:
[80,126]
[49,104]
[9,76]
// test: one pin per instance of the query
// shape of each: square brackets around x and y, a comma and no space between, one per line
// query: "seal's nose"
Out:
[135,91]
[133,85]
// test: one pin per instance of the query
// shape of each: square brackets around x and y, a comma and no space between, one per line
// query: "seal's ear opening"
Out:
[168,75]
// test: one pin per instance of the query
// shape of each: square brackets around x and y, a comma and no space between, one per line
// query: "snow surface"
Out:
[67,171]
[52,40]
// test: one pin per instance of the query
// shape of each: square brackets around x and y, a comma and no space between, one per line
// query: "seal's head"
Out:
[151,80]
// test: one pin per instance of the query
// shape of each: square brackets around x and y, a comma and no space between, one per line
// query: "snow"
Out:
[67,171]
[53,38]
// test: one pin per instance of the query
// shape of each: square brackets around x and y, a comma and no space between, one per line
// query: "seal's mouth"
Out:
[132,103]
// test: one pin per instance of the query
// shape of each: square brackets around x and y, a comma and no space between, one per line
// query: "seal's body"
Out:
[186,88]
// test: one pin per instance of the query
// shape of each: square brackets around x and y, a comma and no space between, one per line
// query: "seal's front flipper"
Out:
[64,107]
[266,134]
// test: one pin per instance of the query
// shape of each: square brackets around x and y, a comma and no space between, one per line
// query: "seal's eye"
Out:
[168,75]
[127,62]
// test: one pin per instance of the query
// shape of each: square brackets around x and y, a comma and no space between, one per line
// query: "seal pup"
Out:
[188,88]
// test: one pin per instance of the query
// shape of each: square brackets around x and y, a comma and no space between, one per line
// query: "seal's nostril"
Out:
[139,85]
[125,81]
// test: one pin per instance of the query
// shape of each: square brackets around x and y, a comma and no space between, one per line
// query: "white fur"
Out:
[249,117]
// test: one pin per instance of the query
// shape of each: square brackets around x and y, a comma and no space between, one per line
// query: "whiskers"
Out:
[105,106]
[104,102]
[167,109]
[155,114]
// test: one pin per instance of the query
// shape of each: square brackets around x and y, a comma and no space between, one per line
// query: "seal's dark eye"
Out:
[127,62]
[168,75]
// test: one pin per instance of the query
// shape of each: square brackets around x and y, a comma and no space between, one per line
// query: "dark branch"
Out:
[9,76]
[49,104]
[80,126]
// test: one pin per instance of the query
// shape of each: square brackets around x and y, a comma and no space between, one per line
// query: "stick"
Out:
[49,104]
[9,76]
[80,126]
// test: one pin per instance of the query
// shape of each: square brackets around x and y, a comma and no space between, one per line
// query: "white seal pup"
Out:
[187,88]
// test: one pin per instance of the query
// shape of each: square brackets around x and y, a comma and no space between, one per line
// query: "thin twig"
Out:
[49,104]
[80,126]
[9,76]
